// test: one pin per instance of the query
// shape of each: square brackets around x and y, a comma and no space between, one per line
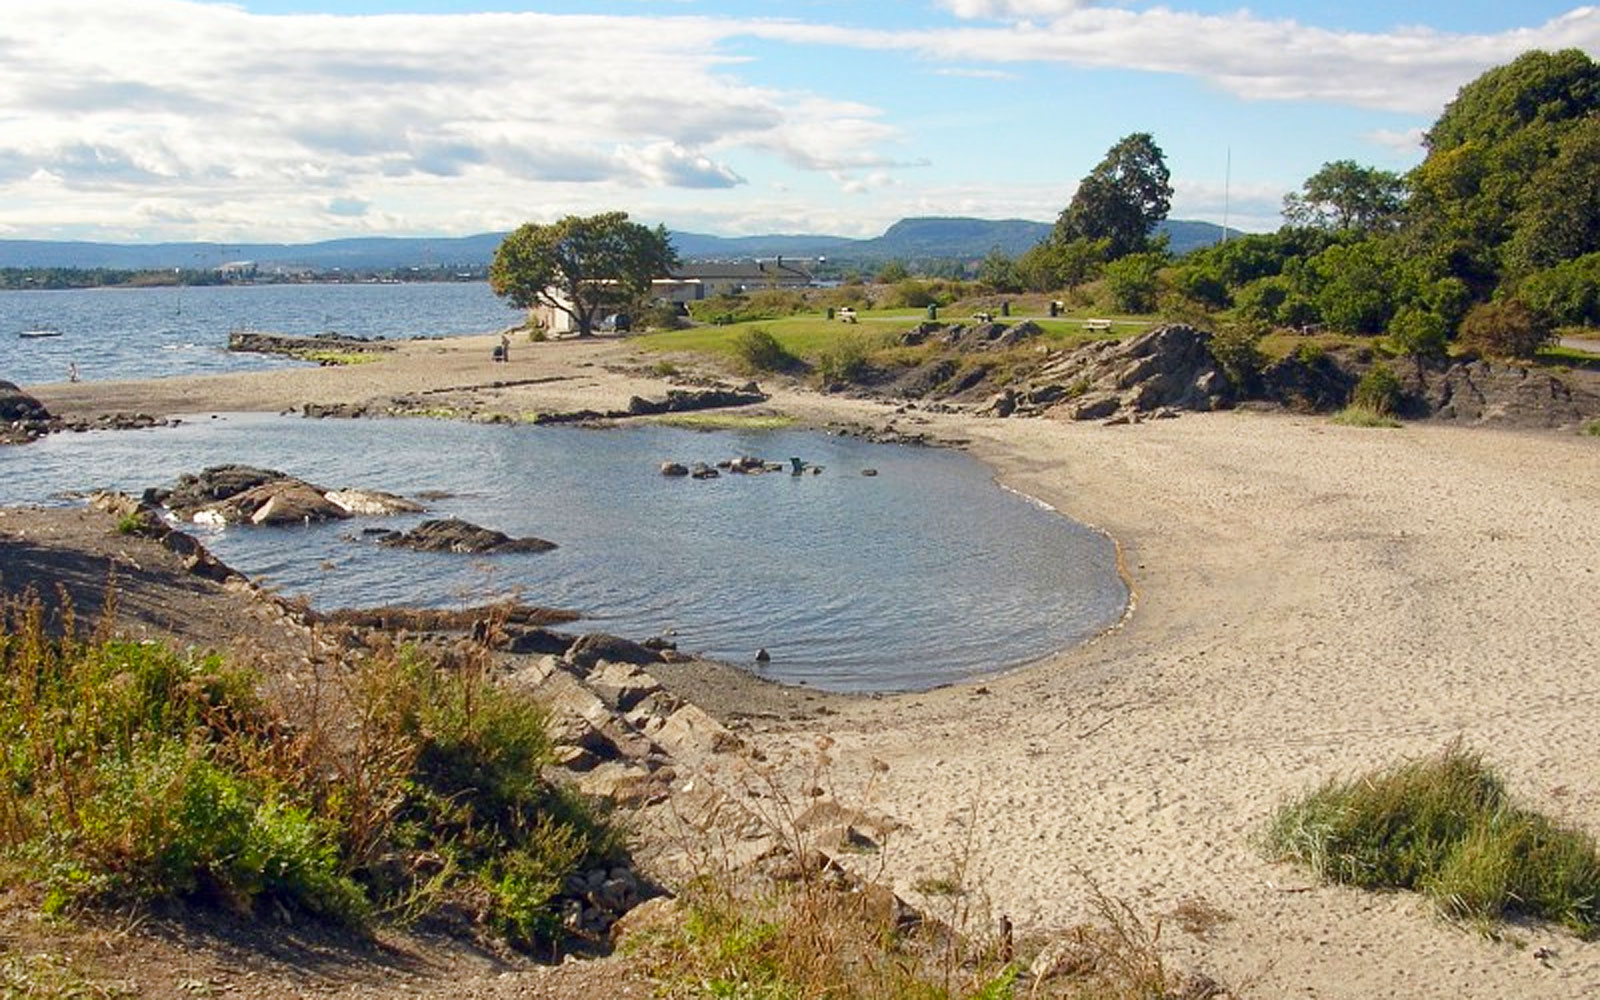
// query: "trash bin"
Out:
[933,310]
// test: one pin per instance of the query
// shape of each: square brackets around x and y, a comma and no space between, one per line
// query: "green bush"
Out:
[846,361]
[1444,825]
[759,351]
[1237,347]
[1378,391]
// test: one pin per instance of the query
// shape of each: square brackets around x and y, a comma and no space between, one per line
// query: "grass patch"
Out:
[727,421]
[1592,428]
[1363,416]
[1444,826]
[133,773]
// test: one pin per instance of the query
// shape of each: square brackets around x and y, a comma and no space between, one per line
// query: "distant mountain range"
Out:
[909,240]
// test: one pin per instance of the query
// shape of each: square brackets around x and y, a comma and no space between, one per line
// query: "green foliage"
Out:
[581,265]
[1378,391]
[1134,281]
[1237,347]
[1053,264]
[892,272]
[1121,200]
[1357,285]
[1592,428]
[759,351]
[1201,282]
[846,361]
[137,773]
[1418,333]
[1346,197]
[1567,294]
[998,273]
[1507,329]
[909,293]
[1444,825]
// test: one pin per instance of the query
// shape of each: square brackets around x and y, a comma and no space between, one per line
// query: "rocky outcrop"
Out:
[258,342]
[687,400]
[143,518]
[245,494]
[1505,394]
[1168,369]
[22,418]
[452,534]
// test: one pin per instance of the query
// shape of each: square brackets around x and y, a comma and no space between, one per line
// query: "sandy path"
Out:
[1312,600]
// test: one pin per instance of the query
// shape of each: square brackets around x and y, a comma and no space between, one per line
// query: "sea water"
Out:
[923,574]
[125,333]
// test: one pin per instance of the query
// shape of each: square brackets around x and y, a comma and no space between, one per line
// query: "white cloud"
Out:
[1402,140]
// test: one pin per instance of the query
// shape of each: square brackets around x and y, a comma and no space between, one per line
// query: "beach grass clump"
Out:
[1444,825]
[714,421]
[134,773]
[1378,391]
[1361,416]
[1592,428]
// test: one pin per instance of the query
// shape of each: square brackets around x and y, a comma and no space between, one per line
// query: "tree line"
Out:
[1493,240]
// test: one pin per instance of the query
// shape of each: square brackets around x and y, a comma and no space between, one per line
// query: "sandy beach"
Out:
[1311,601]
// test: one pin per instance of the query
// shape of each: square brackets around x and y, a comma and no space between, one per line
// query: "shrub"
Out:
[1506,329]
[759,351]
[1237,347]
[1133,282]
[1444,825]
[1378,391]
[846,361]
[1418,333]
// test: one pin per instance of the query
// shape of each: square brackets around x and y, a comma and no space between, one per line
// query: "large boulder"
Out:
[17,405]
[452,534]
[281,502]
[195,491]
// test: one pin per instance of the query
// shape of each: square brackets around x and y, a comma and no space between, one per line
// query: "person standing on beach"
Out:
[72,371]
[505,346]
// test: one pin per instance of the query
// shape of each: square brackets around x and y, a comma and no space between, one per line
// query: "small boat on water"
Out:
[38,332]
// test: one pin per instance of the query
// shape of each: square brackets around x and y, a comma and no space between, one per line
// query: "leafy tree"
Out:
[1568,293]
[892,272]
[1134,281]
[1356,286]
[1050,265]
[1121,200]
[1346,197]
[1535,88]
[999,272]
[1559,217]
[581,265]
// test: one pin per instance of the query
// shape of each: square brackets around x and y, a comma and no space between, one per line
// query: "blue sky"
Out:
[146,120]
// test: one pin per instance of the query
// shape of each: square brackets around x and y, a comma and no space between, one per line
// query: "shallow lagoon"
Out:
[925,574]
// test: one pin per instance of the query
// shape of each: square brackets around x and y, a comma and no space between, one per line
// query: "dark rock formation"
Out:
[1505,394]
[257,342]
[455,535]
[22,418]
[279,502]
[1317,384]
[194,491]
[686,400]
[596,646]
[197,559]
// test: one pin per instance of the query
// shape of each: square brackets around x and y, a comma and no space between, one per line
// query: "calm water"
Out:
[924,574]
[153,332]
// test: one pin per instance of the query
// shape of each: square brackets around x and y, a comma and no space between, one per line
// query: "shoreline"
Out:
[1308,601]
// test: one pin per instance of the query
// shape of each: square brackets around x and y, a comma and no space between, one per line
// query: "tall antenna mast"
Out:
[1227,181]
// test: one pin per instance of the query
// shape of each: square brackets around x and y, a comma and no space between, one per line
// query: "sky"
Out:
[296,120]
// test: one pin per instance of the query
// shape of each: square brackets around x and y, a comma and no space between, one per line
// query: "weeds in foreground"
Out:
[1361,416]
[131,772]
[1592,428]
[1444,825]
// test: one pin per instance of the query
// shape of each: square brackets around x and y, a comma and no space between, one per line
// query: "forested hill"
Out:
[909,239]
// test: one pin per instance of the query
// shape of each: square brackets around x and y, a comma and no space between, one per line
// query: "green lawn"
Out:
[811,335]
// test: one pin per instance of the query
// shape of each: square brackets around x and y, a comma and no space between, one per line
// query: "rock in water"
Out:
[455,535]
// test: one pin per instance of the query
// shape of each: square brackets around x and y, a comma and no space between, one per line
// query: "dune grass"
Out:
[1444,825]
[1363,416]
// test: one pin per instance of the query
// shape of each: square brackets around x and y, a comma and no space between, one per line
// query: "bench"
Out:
[1097,325]
[983,317]
[847,315]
